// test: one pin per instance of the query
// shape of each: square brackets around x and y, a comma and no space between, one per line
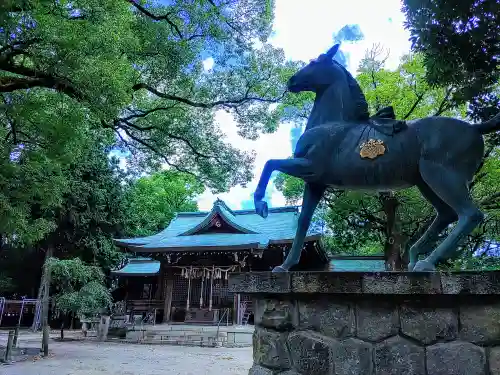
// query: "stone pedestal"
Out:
[389,323]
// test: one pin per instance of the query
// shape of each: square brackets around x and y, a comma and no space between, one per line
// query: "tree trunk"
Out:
[45,304]
[394,240]
[393,248]
[62,326]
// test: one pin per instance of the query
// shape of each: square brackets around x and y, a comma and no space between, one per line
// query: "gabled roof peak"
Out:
[248,211]
[220,203]
[220,209]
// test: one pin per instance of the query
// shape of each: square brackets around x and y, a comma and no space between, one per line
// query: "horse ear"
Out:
[332,51]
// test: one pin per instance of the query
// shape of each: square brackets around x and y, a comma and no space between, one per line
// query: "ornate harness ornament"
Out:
[372,149]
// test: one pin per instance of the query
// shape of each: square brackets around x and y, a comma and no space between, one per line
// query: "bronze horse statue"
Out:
[343,147]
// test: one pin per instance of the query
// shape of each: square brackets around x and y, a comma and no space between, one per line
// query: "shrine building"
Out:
[180,274]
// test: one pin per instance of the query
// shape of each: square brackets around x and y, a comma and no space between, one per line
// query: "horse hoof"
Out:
[278,269]
[424,266]
[261,209]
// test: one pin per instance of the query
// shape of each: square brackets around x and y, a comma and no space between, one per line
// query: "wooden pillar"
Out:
[211,289]
[201,291]
[236,309]
[169,287]
[189,288]
[161,283]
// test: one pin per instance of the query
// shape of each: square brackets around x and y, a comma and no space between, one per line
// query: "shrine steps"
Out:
[203,336]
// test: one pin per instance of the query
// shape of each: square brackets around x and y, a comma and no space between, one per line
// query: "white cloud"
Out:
[208,63]
[304,30]
[268,146]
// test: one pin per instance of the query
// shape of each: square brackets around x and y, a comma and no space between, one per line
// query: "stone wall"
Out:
[374,323]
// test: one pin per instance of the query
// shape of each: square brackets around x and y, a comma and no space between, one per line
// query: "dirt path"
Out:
[87,358]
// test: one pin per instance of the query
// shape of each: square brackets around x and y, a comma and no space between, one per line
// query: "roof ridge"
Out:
[281,209]
[220,202]
[219,209]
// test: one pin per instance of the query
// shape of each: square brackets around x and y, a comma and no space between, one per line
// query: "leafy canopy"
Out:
[79,287]
[152,202]
[460,42]
[136,69]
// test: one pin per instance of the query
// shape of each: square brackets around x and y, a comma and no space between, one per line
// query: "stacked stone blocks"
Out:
[374,323]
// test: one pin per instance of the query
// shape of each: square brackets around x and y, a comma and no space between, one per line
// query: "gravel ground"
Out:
[86,358]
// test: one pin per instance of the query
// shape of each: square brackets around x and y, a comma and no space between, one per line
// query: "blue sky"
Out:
[304,30]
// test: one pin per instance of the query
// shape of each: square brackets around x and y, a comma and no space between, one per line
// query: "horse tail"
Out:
[489,126]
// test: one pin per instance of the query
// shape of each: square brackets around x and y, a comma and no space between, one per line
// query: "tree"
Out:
[136,70]
[86,215]
[92,212]
[152,202]
[460,42]
[80,288]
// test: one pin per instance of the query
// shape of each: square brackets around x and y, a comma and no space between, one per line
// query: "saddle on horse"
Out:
[385,122]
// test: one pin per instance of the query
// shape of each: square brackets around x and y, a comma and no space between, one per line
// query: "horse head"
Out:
[338,95]
[319,74]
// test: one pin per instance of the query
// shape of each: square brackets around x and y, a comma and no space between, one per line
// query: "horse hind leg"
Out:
[445,215]
[452,188]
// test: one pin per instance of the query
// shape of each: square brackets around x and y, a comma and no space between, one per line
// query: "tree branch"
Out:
[34,78]
[444,103]
[170,135]
[226,21]
[17,6]
[141,113]
[164,17]
[414,106]
[152,148]
[231,103]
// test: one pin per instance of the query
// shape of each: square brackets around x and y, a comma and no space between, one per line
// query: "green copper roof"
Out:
[355,265]
[220,209]
[139,267]
[253,231]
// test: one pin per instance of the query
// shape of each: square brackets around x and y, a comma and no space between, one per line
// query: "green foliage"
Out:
[135,70]
[291,187]
[364,248]
[79,77]
[359,220]
[405,88]
[79,287]
[6,284]
[91,213]
[460,43]
[151,202]
[479,262]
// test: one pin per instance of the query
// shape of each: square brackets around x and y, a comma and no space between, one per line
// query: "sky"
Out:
[304,30]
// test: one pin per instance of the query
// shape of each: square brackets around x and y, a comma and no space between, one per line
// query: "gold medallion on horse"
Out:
[372,149]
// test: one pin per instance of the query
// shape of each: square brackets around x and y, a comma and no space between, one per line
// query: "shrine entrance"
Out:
[200,295]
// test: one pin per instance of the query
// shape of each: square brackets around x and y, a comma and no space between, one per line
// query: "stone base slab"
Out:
[389,323]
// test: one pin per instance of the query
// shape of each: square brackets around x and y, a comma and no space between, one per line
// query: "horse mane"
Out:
[361,106]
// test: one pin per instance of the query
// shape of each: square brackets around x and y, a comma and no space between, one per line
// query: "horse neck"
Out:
[332,104]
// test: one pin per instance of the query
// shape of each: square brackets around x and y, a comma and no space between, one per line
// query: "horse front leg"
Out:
[311,198]
[297,167]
